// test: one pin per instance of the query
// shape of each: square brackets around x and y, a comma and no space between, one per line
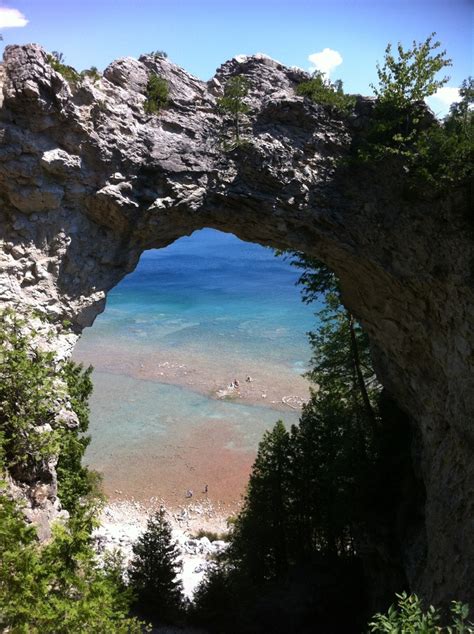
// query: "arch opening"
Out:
[191,321]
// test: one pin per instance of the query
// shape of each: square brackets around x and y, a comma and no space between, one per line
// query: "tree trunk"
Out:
[356,358]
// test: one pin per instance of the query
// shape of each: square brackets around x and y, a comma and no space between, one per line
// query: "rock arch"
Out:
[88,181]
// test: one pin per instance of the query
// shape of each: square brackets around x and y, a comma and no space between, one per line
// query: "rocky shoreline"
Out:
[122,522]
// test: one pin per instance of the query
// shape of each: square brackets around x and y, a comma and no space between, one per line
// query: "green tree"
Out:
[76,482]
[411,76]
[58,586]
[34,387]
[400,115]
[445,151]
[260,537]
[153,571]
[157,94]
[232,102]
[341,366]
[28,391]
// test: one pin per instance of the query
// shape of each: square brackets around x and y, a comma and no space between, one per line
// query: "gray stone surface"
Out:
[88,181]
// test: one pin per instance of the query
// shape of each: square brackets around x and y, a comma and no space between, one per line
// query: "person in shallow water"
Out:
[189,493]
[206,489]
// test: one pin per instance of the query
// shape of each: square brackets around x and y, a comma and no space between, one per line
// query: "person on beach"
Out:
[189,494]
[206,489]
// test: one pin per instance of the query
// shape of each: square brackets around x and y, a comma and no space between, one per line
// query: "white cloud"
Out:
[442,99]
[447,95]
[11,17]
[325,61]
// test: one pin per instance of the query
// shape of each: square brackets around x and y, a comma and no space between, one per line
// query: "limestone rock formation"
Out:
[88,181]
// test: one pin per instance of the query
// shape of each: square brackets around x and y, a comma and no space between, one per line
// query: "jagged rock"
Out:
[88,181]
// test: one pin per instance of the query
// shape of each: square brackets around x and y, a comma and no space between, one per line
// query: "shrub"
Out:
[57,587]
[92,73]
[322,91]
[33,387]
[212,536]
[412,75]
[408,617]
[56,61]
[157,94]
[159,54]
[29,386]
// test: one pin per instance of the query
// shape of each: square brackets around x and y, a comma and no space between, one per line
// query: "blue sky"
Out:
[201,34]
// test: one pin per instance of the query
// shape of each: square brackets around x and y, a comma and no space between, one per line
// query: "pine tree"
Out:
[153,571]
[232,102]
[260,538]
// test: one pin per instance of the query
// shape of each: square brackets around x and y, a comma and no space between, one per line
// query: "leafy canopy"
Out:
[35,393]
[411,76]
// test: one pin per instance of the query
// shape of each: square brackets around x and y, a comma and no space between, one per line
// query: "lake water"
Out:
[176,333]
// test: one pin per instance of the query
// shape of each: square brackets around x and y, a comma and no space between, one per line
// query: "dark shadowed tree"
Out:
[153,571]
[260,536]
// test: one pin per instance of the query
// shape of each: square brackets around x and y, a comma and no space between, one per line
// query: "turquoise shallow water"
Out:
[209,295]
[140,413]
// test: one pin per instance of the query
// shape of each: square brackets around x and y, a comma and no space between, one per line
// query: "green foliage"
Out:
[445,152]
[32,383]
[153,571]
[435,156]
[411,76]
[56,61]
[57,587]
[309,490]
[232,102]
[76,482]
[92,73]
[259,538]
[408,617]
[29,386]
[159,54]
[322,91]
[157,94]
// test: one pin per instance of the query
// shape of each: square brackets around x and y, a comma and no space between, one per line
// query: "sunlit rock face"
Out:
[88,181]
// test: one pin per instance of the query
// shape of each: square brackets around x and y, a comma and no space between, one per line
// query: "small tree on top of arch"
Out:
[232,102]
[412,75]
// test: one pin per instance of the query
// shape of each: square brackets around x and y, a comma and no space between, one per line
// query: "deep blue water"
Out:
[210,287]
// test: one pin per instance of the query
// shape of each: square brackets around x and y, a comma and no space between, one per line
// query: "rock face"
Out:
[88,181]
